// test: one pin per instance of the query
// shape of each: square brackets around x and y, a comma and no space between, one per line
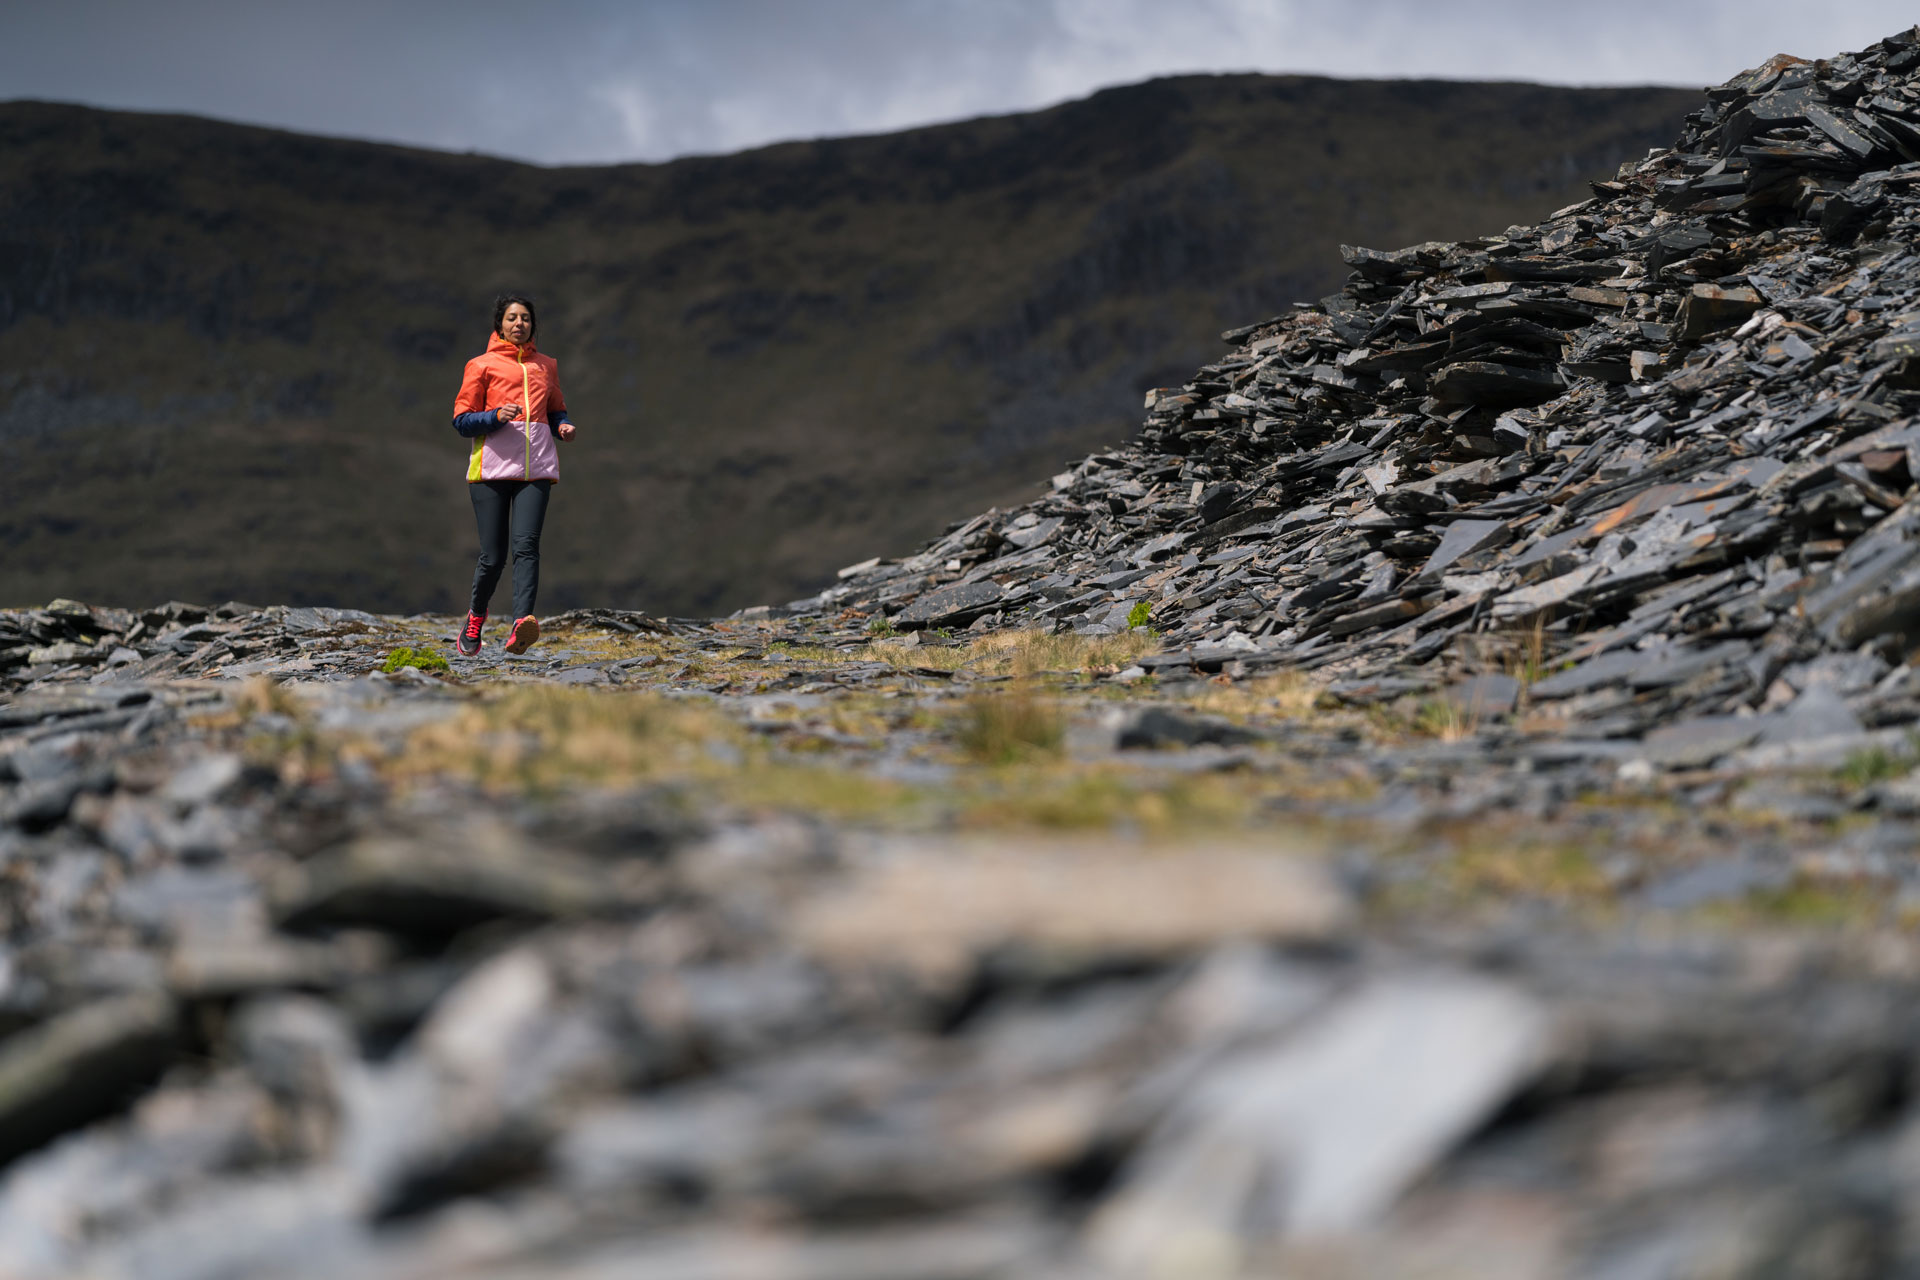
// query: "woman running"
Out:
[511,407]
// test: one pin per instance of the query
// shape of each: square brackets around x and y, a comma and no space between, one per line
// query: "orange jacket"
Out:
[509,374]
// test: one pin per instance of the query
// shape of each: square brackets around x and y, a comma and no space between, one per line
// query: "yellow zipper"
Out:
[526,411]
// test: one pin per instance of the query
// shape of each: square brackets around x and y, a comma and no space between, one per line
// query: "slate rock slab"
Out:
[1485,695]
[1315,1136]
[951,606]
[440,886]
[1163,727]
[1701,741]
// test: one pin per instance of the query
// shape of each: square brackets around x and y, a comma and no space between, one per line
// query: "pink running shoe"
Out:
[525,631]
[468,642]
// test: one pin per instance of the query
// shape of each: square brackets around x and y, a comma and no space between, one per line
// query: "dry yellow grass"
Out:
[1028,653]
[1560,872]
[1291,695]
[1004,743]
[1068,797]
[905,657]
[544,735]
[1015,653]
[542,738]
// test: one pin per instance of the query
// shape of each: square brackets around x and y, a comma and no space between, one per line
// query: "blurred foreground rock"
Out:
[280,1008]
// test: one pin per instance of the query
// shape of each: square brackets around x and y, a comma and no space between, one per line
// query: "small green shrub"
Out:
[419,659]
[1874,764]
[881,625]
[1139,614]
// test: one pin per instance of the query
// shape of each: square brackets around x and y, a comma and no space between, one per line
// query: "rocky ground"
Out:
[770,946]
[1443,803]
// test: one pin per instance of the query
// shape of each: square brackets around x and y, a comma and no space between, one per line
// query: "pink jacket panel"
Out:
[519,451]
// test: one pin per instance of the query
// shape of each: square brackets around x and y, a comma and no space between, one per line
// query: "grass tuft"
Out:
[1010,727]
[1527,659]
[263,695]
[1444,719]
[1060,796]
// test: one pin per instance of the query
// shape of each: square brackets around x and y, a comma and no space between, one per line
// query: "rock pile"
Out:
[1668,431]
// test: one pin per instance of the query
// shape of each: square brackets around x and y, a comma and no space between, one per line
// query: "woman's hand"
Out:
[507,413]
[564,431]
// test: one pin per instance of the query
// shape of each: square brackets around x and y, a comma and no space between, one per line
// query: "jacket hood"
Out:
[505,348]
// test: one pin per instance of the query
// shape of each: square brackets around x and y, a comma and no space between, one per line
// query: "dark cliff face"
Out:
[232,351]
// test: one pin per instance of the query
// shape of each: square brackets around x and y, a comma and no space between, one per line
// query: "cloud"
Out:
[582,81]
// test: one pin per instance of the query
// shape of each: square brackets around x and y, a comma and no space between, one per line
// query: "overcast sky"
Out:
[584,81]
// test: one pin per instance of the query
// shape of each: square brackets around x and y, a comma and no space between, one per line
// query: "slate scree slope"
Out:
[1671,427]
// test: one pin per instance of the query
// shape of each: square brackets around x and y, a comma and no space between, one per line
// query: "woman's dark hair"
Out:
[505,300]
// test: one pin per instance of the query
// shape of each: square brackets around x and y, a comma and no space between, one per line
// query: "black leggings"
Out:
[503,509]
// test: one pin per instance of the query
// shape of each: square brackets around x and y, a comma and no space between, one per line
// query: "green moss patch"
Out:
[419,659]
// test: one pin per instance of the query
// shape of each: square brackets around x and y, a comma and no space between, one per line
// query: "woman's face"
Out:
[516,325]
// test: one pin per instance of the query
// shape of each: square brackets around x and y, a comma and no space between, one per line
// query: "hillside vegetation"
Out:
[232,351]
